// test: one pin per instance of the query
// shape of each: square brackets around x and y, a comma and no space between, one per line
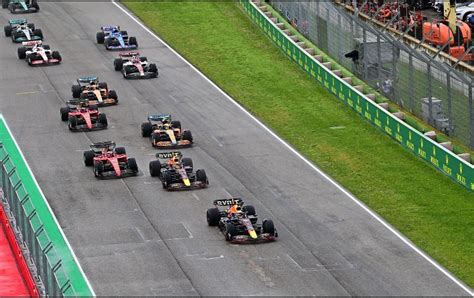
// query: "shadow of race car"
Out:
[20,30]
[36,53]
[177,173]
[239,223]
[134,66]
[83,116]
[166,133]
[110,161]
[98,93]
[114,39]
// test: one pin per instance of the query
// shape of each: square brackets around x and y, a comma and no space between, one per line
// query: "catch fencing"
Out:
[426,87]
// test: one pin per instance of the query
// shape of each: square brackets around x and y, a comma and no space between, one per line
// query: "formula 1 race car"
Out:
[239,223]
[36,53]
[83,117]
[20,30]
[177,172]
[114,39]
[133,66]
[96,92]
[165,133]
[21,6]
[110,161]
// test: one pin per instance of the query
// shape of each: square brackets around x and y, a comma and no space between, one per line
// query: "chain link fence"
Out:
[45,260]
[432,90]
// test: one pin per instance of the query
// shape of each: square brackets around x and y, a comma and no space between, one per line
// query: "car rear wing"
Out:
[88,79]
[102,145]
[17,21]
[160,117]
[129,54]
[32,43]
[168,155]
[109,28]
[228,202]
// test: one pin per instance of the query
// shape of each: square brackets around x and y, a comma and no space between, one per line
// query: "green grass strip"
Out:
[71,268]
[221,40]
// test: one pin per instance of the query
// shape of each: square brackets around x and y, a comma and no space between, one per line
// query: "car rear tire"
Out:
[100,36]
[76,91]
[72,122]
[268,227]
[132,165]
[213,216]
[64,112]
[21,53]
[143,59]
[113,94]
[38,32]
[103,85]
[201,176]
[155,168]
[103,120]
[118,64]
[176,124]
[249,209]
[187,135]
[5,3]
[187,162]
[89,158]
[8,30]
[120,150]
[229,231]
[147,129]
[133,41]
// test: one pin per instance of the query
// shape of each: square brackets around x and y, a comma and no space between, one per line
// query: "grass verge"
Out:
[220,40]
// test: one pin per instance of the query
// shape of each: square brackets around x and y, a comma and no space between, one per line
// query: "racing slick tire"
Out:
[120,150]
[176,124]
[98,169]
[153,69]
[147,129]
[229,231]
[8,30]
[100,36]
[155,168]
[76,91]
[213,216]
[21,53]
[166,180]
[124,32]
[143,59]
[89,158]
[56,55]
[113,94]
[132,164]
[187,163]
[268,227]
[187,135]
[38,32]
[46,47]
[118,64]
[64,112]
[249,209]
[201,176]
[5,3]
[133,41]
[72,122]
[103,120]
[103,85]
[34,4]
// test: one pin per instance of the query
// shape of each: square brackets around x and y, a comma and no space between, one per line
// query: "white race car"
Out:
[36,53]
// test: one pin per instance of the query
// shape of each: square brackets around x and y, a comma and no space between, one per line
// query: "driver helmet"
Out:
[239,214]
[175,159]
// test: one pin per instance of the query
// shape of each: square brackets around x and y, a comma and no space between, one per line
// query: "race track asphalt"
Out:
[133,238]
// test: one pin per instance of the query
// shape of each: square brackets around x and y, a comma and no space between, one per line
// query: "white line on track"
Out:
[288,146]
[196,197]
[26,93]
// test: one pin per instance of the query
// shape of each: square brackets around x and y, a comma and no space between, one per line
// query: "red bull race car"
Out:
[110,161]
[98,93]
[83,117]
[177,173]
[36,53]
[239,223]
[166,133]
[134,66]
[115,39]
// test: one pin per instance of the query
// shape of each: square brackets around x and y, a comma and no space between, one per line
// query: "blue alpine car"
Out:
[114,39]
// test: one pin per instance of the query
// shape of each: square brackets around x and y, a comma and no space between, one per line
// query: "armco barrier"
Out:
[56,265]
[442,159]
